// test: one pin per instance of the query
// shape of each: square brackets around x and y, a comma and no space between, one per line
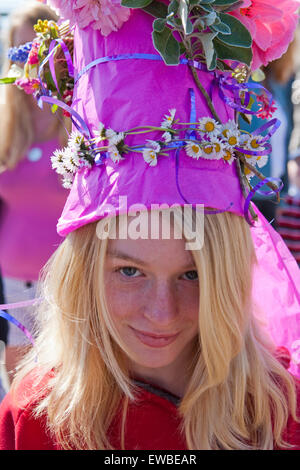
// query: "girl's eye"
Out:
[191,275]
[129,271]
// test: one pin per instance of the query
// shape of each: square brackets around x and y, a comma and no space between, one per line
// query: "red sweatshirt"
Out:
[152,424]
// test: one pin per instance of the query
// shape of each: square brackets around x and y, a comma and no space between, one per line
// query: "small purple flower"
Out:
[19,54]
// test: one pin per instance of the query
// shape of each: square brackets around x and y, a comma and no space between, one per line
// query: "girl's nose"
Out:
[162,304]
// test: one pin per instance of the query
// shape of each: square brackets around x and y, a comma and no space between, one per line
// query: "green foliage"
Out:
[201,25]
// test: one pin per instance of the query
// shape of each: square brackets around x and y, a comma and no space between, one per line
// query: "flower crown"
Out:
[212,35]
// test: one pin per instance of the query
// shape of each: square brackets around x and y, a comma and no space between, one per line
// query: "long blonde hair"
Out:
[16,125]
[239,395]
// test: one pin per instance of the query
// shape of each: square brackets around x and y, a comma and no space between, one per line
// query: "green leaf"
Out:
[241,54]
[245,118]
[159,24]
[135,3]
[165,43]
[239,36]
[173,7]
[7,80]
[184,13]
[224,2]
[209,49]
[221,28]
[207,8]
[157,9]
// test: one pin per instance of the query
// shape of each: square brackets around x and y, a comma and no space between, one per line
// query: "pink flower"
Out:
[29,85]
[33,57]
[105,15]
[272,25]
[266,109]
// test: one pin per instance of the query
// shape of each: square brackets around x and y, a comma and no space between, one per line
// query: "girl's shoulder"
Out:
[19,427]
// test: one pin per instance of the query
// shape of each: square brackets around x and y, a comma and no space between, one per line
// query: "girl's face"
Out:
[153,298]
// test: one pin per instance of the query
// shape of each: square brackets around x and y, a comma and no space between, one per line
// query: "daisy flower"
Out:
[100,134]
[114,154]
[230,125]
[232,138]
[168,119]
[75,141]
[152,144]
[218,147]
[193,150]
[209,126]
[167,137]
[248,173]
[150,156]
[114,138]
[68,181]
[57,160]
[208,151]
[228,154]
[262,160]
[71,160]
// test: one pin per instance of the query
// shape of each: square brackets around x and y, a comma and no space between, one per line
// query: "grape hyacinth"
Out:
[19,54]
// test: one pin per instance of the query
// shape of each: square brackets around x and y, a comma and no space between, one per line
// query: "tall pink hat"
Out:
[160,126]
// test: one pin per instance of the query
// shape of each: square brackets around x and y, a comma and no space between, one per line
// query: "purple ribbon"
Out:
[265,193]
[80,125]
[231,84]
[156,57]
[13,320]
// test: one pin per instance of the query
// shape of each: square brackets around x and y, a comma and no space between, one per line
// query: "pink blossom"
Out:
[266,109]
[29,85]
[272,26]
[33,57]
[105,15]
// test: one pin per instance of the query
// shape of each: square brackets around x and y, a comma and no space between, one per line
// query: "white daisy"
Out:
[114,138]
[167,137]
[262,160]
[114,154]
[218,147]
[71,160]
[232,138]
[208,151]
[228,154]
[100,134]
[250,142]
[193,150]
[75,140]
[248,173]
[168,119]
[209,126]
[230,125]
[67,182]
[152,144]
[57,160]
[150,156]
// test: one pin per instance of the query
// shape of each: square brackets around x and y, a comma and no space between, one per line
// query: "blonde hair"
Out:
[237,388]
[17,133]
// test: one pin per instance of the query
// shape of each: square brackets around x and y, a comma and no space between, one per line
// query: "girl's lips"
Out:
[154,340]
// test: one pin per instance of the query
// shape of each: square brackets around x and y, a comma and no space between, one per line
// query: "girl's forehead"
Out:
[152,252]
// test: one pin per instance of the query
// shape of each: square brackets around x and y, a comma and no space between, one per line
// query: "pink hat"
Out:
[159,133]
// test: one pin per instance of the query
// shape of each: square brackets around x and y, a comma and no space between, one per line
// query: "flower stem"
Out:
[205,94]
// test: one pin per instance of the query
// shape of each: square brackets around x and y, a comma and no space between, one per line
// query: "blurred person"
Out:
[32,196]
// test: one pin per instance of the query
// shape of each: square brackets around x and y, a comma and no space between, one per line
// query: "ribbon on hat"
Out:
[256,189]
[229,83]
